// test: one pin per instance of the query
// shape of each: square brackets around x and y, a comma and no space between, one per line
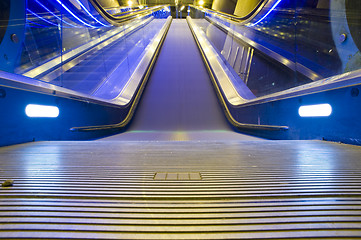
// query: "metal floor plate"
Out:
[248,189]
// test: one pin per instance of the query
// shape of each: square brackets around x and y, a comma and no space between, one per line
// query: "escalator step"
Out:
[180,190]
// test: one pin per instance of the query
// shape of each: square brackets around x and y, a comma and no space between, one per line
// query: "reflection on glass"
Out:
[284,43]
[70,44]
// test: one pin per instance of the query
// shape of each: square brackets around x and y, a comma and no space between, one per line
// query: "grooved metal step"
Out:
[239,189]
[171,176]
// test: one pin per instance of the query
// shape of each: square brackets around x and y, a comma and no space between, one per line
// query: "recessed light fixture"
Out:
[35,110]
[318,110]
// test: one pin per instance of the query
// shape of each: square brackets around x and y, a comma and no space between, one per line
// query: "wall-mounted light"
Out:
[318,110]
[181,9]
[201,2]
[130,3]
[35,110]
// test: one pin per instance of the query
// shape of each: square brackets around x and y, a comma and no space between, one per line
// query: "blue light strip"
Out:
[54,14]
[272,8]
[41,17]
[68,10]
[28,21]
[86,10]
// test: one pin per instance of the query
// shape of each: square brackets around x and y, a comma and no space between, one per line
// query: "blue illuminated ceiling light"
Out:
[264,16]
[34,23]
[54,14]
[35,110]
[318,110]
[68,10]
[92,16]
[51,23]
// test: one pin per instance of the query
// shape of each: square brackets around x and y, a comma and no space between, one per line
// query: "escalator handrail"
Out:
[231,17]
[283,60]
[121,14]
[148,63]
[223,83]
[126,17]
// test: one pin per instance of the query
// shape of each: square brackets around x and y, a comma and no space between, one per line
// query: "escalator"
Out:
[184,166]
[179,101]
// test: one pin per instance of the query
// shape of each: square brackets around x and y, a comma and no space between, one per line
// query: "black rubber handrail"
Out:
[114,20]
[231,119]
[121,14]
[234,17]
[135,100]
